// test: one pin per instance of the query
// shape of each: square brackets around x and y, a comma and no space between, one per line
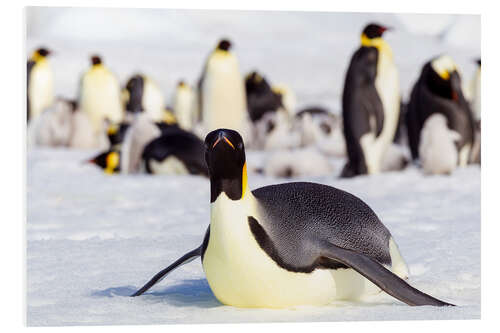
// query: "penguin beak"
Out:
[222,137]
[92,161]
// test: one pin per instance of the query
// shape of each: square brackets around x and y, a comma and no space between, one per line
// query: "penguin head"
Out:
[374,30]
[224,45]
[41,53]
[225,157]
[444,79]
[95,60]
[478,62]
[109,161]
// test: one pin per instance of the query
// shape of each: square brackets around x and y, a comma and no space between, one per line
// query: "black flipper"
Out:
[379,275]
[188,257]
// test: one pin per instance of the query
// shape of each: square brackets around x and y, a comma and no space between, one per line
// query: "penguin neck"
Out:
[39,59]
[235,189]
[379,43]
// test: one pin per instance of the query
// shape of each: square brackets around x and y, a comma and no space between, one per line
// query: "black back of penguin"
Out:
[433,94]
[135,88]
[360,103]
[178,143]
[303,211]
[260,97]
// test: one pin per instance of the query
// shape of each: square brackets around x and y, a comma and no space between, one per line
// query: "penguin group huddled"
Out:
[290,244]
[375,130]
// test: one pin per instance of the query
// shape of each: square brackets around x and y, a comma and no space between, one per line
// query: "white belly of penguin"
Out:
[387,86]
[40,89]
[241,274]
[169,166]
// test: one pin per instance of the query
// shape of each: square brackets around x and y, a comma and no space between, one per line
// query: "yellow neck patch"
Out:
[378,43]
[244,180]
[112,129]
[444,65]
[169,118]
[37,57]
[112,161]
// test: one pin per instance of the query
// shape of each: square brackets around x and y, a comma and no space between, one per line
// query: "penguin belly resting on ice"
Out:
[174,151]
[370,103]
[439,90]
[40,83]
[438,150]
[290,244]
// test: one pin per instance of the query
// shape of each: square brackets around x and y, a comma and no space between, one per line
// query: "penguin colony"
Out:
[303,243]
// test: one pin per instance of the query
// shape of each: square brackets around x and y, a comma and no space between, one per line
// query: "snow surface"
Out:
[93,239]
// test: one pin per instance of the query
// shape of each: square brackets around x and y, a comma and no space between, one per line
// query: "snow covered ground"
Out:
[93,239]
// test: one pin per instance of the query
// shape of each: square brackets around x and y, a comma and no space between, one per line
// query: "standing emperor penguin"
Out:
[40,83]
[142,94]
[222,92]
[100,95]
[290,244]
[370,103]
[439,90]
[184,100]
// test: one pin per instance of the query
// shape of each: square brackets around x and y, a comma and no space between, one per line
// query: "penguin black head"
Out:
[181,83]
[224,45]
[109,161]
[43,51]
[374,30]
[478,62]
[96,60]
[225,157]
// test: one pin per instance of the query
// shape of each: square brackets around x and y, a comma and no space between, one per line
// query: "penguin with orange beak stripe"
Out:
[290,244]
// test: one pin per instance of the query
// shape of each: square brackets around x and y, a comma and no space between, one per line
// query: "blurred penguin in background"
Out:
[439,90]
[40,83]
[437,149]
[475,101]
[370,103]
[222,92]
[272,123]
[184,106]
[53,127]
[100,96]
[82,134]
[321,128]
[305,162]
[142,94]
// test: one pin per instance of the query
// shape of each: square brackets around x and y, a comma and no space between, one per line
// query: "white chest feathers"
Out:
[152,100]
[100,97]
[241,274]
[184,107]
[437,150]
[41,88]
[223,91]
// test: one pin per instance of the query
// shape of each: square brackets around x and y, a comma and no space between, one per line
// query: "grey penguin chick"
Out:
[290,244]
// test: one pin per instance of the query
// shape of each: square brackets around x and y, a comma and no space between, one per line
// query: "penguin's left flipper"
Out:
[188,257]
[381,276]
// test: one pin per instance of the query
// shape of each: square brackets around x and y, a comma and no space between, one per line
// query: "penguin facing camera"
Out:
[222,92]
[370,103]
[439,90]
[142,94]
[40,90]
[438,152]
[100,95]
[301,243]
